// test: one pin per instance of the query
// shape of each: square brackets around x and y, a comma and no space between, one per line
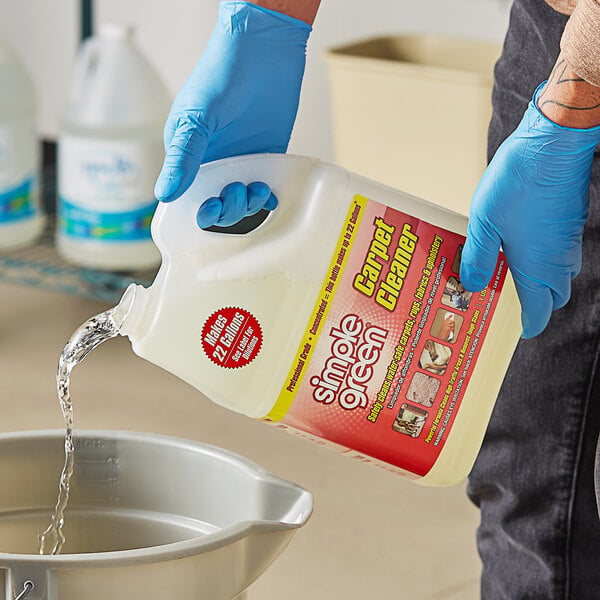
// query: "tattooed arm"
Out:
[568,99]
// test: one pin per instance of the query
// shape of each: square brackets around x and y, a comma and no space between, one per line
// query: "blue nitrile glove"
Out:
[241,98]
[235,202]
[532,200]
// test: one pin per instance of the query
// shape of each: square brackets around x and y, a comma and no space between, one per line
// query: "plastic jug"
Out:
[340,318]
[110,153]
[21,219]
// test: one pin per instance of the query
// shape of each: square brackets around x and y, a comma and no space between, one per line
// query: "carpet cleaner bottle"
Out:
[21,219]
[110,154]
[340,318]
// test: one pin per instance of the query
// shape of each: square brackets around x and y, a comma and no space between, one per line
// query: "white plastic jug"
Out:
[21,219]
[110,154]
[341,317]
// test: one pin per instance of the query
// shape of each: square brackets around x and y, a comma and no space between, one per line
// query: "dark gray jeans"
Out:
[533,480]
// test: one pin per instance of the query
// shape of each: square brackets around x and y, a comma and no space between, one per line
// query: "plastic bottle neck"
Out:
[131,310]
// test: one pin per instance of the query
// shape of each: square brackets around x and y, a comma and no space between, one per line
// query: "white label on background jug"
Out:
[106,188]
[18,166]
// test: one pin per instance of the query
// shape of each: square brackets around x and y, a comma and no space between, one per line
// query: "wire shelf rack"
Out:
[41,266]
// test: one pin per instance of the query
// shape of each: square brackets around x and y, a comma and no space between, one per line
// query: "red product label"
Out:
[231,337]
[392,342]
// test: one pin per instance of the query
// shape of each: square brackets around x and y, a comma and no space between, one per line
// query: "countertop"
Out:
[373,534]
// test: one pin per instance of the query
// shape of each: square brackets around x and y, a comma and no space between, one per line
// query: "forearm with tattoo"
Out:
[569,100]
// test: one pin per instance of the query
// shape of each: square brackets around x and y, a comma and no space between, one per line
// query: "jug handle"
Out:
[82,69]
[310,196]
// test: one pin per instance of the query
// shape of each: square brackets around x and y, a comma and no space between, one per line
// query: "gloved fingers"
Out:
[209,212]
[271,203]
[183,157]
[170,129]
[536,303]
[479,255]
[561,291]
[235,204]
[577,261]
[229,208]
[259,197]
[226,210]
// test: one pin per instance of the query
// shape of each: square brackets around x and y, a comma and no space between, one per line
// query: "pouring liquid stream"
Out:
[91,334]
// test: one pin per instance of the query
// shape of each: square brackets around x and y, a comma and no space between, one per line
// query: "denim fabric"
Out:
[539,536]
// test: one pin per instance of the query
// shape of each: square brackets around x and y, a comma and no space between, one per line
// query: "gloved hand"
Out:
[532,200]
[241,98]
[235,202]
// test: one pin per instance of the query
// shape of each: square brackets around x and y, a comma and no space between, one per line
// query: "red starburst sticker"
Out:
[231,337]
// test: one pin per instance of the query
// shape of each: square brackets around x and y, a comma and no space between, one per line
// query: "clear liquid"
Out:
[91,334]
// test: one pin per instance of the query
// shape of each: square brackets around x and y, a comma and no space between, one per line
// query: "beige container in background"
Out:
[412,111]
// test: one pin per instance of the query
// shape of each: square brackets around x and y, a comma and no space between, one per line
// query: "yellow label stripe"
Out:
[319,314]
